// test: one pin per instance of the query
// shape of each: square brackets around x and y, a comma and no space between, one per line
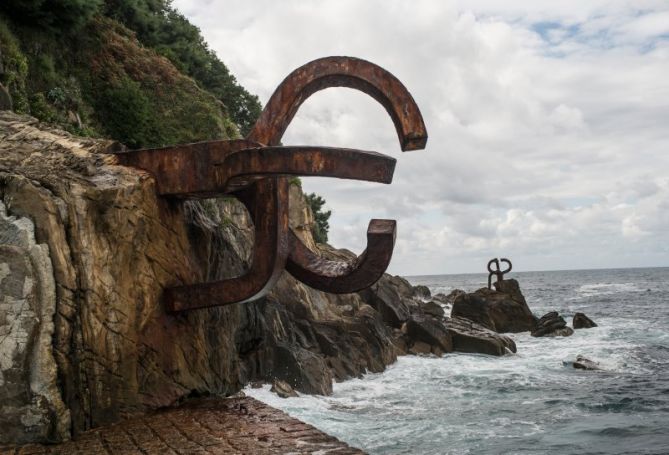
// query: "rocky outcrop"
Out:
[502,310]
[390,296]
[87,248]
[551,325]
[467,336]
[430,331]
[581,321]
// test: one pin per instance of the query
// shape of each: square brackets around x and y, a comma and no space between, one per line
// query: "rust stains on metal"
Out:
[254,170]
[340,277]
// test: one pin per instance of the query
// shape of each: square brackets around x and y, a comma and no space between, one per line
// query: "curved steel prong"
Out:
[266,202]
[340,277]
[281,108]
[497,272]
[509,263]
[244,166]
[341,72]
[207,169]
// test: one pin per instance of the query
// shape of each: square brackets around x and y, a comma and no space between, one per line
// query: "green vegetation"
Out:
[134,70]
[164,29]
[54,15]
[321,227]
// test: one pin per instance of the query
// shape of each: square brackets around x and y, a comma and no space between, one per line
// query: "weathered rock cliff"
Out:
[87,248]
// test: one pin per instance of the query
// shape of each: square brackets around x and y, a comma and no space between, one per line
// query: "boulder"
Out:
[582,363]
[429,330]
[283,389]
[581,321]
[467,336]
[392,297]
[498,311]
[448,299]
[550,325]
[432,308]
[422,292]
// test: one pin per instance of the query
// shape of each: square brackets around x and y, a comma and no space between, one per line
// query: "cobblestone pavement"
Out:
[203,426]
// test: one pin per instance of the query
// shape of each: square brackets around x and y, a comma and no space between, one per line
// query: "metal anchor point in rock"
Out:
[497,272]
[255,170]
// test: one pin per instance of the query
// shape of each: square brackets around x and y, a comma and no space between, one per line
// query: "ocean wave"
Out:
[600,289]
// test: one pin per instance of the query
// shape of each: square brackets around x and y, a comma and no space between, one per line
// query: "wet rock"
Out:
[470,337]
[498,311]
[430,331]
[550,325]
[422,291]
[283,389]
[448,299]
[419,348]
[583,363]
[432,308]
[392,297]
[581,321]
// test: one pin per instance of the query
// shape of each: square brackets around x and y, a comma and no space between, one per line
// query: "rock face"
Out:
[430,331]
[5,98]
[87,248]
[581,321]
[552,325]
[467,336]
[29,396]
[502,310]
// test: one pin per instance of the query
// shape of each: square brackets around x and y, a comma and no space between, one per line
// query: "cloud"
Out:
[547,122]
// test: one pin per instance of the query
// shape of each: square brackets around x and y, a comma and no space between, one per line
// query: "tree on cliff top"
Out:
[54,15]
[159,26]
[322,226]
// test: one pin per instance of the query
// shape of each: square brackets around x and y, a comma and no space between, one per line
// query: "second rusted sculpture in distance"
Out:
[256,169]
[498,273]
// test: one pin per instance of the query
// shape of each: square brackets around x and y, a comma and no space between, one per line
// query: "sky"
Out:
[548,123]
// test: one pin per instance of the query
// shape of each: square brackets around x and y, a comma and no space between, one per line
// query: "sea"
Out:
[531,402]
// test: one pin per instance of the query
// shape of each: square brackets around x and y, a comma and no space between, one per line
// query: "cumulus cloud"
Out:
[547,122]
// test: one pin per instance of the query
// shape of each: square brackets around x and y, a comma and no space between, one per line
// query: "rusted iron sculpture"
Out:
[255,171]
[497,272]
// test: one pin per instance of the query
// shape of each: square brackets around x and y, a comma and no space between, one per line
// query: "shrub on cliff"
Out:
[159,26]
[54,15]
[322,226]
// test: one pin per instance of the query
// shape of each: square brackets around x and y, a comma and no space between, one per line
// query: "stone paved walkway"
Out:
[204,426]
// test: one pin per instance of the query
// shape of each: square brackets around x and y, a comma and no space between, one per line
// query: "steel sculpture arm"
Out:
[498,273]
[254,170]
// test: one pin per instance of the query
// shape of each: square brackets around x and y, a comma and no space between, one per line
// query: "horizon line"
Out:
[534,271]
